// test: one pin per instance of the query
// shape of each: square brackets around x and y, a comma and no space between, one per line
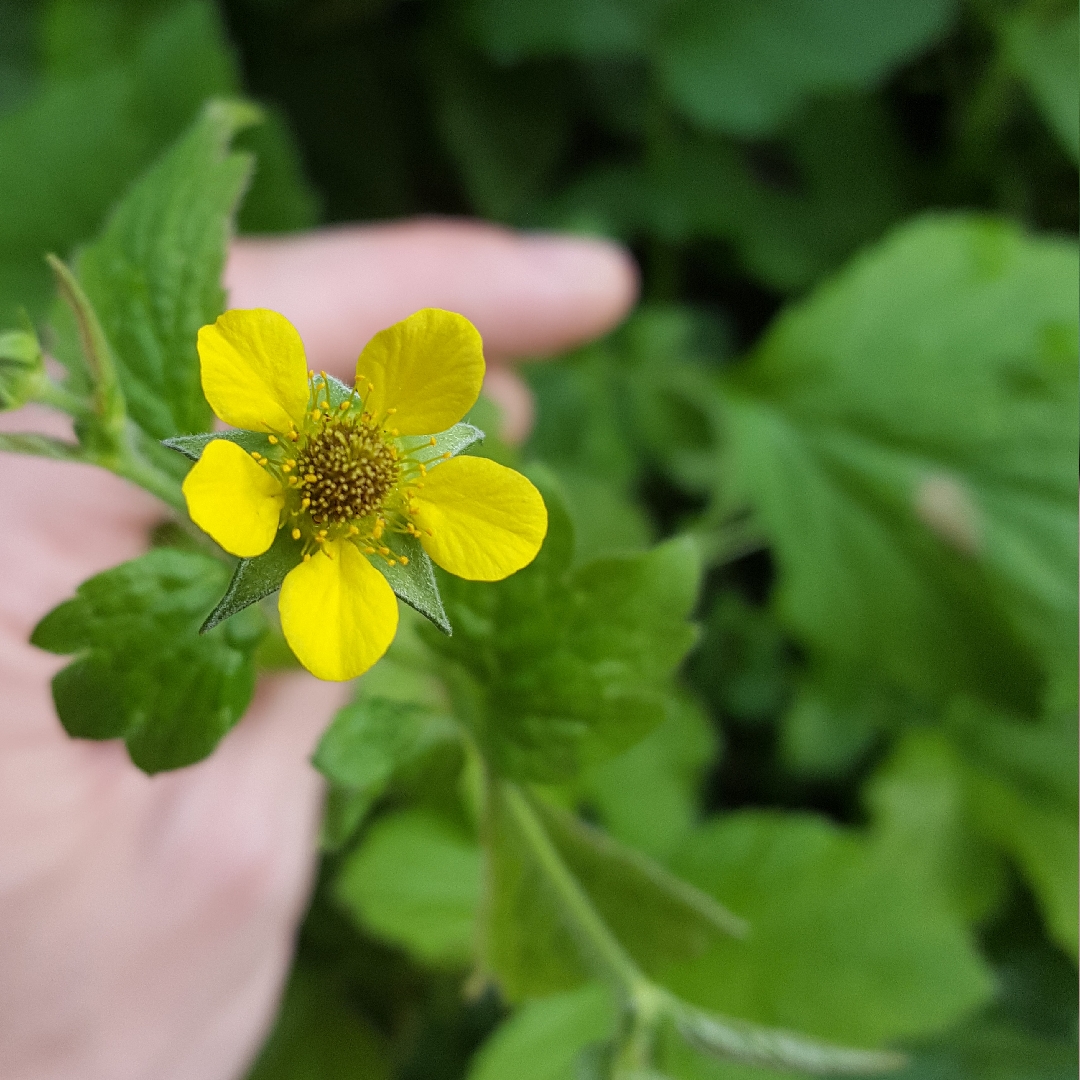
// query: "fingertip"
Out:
[594,282]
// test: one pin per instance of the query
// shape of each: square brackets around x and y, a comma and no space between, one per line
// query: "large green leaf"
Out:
[845,944]
[908,434]
[743,68]
[415,881]
[556,667]
[143,672]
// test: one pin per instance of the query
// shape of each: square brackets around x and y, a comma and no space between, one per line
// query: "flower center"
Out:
[346,468]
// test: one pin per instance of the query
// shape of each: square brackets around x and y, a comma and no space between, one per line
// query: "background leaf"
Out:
[904,522]
[415,881]
[845,945]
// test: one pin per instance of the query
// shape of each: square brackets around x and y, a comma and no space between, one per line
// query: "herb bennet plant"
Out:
[728,728]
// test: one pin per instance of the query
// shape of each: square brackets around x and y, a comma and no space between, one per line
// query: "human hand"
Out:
[146,923]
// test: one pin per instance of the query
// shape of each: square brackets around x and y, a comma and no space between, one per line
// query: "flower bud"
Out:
[21,368]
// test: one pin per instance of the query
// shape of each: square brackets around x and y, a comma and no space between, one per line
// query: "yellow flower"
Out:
[346,472]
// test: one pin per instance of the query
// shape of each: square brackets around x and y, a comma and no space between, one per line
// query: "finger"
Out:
[528,294]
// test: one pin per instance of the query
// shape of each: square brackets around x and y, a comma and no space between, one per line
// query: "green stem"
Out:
[108,397]
[612,960]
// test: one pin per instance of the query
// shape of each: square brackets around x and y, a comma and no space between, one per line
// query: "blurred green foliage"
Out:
[851,386]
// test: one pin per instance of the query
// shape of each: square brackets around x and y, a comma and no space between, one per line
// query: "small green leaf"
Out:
[154,273]
[361,750]
[657,917]
[415,881]
[192,446]
[21,367]
[255,579]
[143,672]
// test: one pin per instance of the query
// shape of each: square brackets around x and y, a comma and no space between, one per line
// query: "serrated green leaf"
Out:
[915,467]
[415,881]
[657,917]
[542,1039]
[320,1035]
[154,273]
[143,672]
[361,750]
[845,945]
[555,667]
[744,68]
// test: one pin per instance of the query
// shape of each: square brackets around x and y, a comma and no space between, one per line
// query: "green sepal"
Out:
[415,583]
[142,672]
[452,441]
[255,579]
[192,446]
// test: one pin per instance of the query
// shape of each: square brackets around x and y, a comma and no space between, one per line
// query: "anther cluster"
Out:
[346,469]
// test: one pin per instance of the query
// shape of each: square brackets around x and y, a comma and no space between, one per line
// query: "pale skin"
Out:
[146,924]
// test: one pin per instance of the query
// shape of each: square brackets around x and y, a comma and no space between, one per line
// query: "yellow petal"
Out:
[480,520]
[427,367]
[254,373]
[338,613]
[234,499]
